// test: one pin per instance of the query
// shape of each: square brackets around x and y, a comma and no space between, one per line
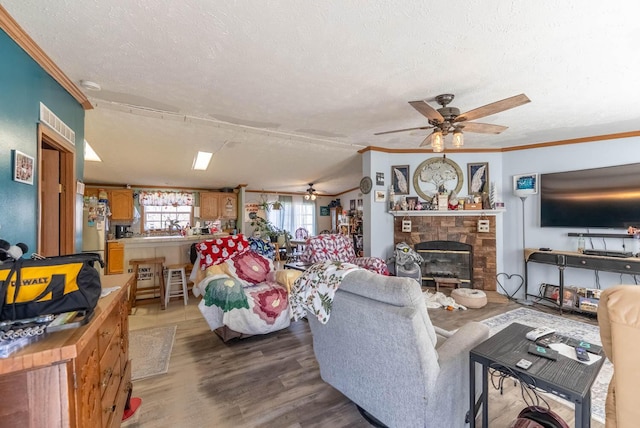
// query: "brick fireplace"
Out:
[457,228]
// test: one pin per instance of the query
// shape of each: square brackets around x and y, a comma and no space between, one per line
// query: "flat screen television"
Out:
[607,197]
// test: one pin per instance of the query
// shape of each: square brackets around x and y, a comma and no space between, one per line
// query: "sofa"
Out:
[619,321]
[338,247]
[379,348]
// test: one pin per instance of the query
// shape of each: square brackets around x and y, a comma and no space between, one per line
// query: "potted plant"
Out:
[264,228]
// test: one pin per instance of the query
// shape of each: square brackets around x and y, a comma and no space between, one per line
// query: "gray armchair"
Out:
[380,349]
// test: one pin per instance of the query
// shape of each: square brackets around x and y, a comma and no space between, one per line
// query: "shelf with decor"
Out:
[446,213]
[569,259]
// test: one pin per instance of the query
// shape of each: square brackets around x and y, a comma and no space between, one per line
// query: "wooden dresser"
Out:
[73,378]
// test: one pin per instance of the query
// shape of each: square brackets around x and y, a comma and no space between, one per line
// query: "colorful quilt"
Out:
[241,293]
[314,290]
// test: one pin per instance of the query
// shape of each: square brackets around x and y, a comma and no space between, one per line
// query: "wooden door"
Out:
[50,199]
[56,237]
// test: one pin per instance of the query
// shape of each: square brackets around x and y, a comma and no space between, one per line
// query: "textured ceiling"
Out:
[286,92]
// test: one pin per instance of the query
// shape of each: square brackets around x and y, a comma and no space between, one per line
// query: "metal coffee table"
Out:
[565,377]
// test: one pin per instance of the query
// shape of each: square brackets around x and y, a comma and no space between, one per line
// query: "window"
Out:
[162,217]
[295,213]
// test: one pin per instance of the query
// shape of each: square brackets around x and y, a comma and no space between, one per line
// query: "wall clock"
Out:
[366,184]
[437,174]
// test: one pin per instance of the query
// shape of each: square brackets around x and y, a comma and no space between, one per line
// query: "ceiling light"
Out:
[201,161]
[88,84]
[90,154]
[437,143]
[458,138]
[311,193]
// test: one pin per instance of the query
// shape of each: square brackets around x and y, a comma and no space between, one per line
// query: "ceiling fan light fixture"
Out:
[311,193]
[458,138]
[437,141]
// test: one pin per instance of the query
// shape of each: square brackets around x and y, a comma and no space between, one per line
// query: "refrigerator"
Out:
[95,225]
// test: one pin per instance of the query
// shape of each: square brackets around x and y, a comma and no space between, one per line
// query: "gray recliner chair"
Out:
[380,349]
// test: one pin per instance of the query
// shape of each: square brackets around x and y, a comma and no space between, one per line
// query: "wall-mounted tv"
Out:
[607,197]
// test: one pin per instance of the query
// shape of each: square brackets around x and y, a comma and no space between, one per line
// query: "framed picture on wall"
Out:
[478,177]
[22,167]
[380,196]
[352,204]
[400,179]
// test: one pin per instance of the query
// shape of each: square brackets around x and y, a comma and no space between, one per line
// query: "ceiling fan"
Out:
[445,120]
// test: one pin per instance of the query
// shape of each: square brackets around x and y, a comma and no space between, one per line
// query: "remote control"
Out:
[524,364]
[582,354]
[589,347]
[539,332]
[543,352]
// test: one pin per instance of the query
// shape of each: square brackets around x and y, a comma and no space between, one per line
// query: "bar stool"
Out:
[157,263]
[176,275]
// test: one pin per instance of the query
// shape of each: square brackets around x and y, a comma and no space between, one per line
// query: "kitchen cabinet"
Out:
[115,258]
[121,204]
[209,205]
[80,377]
[228,205]
[214,205]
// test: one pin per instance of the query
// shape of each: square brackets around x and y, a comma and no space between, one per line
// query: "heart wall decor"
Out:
[508,278]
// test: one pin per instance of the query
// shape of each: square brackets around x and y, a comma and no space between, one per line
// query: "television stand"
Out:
[565,259]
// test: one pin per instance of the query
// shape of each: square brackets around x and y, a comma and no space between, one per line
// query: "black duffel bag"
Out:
[29,288]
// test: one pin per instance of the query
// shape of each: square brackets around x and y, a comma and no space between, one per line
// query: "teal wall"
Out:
[23,85]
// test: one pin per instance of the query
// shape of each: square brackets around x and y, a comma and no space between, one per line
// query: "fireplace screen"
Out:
[446,259]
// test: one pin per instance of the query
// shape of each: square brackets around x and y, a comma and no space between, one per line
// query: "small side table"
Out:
[298,266]
[446,282]
[565,377]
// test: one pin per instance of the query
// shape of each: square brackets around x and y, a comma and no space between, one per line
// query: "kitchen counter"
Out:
[175,249]
[172,239]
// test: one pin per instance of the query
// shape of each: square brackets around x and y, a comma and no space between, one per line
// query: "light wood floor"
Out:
[271,380]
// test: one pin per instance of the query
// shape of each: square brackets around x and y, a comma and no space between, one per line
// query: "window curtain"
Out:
[295,213]
[165,198]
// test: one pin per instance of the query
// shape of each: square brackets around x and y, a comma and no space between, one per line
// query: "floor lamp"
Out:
[524,300]
[523,186]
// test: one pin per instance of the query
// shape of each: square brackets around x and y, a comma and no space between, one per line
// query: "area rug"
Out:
[150,351]
[565,327]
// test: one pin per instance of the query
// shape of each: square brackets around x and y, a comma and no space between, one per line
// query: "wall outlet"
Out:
[483,226]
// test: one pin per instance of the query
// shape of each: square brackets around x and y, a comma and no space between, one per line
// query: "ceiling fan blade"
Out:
[403,130]
[493,108]
[427,111]
[482,128]
[426,141]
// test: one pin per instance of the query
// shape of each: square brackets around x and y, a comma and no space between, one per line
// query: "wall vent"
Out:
[47,117]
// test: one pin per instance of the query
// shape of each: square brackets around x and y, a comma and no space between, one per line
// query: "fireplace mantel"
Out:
[430,213]
[458,226]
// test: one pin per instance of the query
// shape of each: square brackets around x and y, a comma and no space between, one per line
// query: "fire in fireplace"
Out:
[446,259]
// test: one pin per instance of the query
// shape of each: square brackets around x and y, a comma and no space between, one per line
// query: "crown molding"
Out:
[15,31]
[604,137]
